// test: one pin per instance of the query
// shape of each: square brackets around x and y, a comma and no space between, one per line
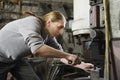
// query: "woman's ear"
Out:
[48,21]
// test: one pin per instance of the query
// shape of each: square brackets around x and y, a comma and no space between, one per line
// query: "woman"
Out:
[31,35]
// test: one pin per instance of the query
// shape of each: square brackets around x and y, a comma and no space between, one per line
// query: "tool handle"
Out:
[69,62]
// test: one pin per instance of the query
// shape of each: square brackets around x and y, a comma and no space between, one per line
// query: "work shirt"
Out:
[22,37]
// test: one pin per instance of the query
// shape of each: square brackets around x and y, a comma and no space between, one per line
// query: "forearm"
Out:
[47,51]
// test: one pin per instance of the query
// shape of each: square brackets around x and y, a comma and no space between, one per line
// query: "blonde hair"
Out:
[53,15]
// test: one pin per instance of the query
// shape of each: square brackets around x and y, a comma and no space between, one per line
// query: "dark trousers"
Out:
[20,69]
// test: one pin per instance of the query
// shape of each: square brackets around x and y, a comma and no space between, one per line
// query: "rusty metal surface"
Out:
[116,54]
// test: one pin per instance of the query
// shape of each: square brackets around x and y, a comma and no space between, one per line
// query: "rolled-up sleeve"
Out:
[31,35]
[32,39]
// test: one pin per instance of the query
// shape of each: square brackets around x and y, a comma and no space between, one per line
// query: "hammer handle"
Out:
[69,62]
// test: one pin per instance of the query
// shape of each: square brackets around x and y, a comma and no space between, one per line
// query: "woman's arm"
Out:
[47,51]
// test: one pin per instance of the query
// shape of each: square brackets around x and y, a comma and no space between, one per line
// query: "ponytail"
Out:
[32,14]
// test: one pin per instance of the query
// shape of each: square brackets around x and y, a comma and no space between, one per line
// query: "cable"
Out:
[106,70]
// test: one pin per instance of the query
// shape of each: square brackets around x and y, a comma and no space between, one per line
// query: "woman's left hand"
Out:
[84,66]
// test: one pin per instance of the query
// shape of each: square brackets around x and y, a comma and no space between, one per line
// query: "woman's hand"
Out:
[73,59]
[84,66]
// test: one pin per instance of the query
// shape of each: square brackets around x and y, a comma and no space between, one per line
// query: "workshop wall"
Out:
[90,47]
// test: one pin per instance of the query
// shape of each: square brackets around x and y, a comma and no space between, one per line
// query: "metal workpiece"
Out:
[95,74]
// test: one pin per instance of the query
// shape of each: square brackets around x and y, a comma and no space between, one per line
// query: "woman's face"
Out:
[56,28]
